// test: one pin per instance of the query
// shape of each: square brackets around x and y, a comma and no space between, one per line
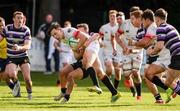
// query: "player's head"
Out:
[160,16]
[147,18]
[49,18]
[136,18]
[55,31]
[112,16]
[133,8]
[83,27]
[120,17]
[18,18]
[67,24]
[2,24]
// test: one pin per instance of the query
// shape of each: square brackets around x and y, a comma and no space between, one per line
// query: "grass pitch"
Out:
[81,100]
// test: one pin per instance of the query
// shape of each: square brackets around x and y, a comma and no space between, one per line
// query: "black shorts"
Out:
[77,65]
[3,63]
[175,62]
[151,59]
[18,61]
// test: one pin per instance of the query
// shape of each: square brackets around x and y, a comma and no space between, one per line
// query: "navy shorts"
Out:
[175,62]
[18,61]
[3,63]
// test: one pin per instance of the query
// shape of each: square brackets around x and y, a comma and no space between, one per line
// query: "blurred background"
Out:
[93,12]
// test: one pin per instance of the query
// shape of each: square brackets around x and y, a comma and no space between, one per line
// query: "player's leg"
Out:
[153,89]
[88,59]
[63,73]
[151,74]
[106,81]
[117,69]
[171,76]
[137,82]
[25,68]
[108,63]
[11,70]
[3,75]
[74,75]
[127,69]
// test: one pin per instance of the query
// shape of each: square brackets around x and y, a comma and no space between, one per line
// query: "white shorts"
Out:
[108,56]
[94,46]
[132,62]
[67,57]
[163,61]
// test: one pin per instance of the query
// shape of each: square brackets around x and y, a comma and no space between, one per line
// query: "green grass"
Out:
[44,89]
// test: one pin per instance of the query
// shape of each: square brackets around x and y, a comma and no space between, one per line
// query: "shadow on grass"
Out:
[69,105]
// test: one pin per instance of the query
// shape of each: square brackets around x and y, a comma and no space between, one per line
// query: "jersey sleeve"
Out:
[27,34]
[161,34]
[121,28]
[101,31]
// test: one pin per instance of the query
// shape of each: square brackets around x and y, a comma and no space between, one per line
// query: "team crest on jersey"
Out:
[69,30]
[106,32]
[127,31]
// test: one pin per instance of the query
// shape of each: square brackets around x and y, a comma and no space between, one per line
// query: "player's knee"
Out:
[11,74]
[62,73]
[148,74]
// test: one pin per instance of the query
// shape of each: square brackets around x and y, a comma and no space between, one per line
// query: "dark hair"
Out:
[54,25]
[148,14]
[119,14]
[17,13]
[137,13]
[161,13]
[84,25]
[134,8]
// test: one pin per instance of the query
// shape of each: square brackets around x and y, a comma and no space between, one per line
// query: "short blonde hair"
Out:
[112,12]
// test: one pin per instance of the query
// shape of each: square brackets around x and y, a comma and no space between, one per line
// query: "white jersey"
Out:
[108,31]
[151,31]
[129,30]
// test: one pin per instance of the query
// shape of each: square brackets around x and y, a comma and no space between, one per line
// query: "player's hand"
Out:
[127,51]
[131,42]
[17,48]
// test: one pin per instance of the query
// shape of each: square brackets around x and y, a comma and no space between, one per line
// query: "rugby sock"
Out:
[159,83]
[116,83]
[177,89]
[63,90]
[157,97]
[67,96]
[10,84]
[133,91]
[109,85]
[138,88]
[93,76]
[29,86]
